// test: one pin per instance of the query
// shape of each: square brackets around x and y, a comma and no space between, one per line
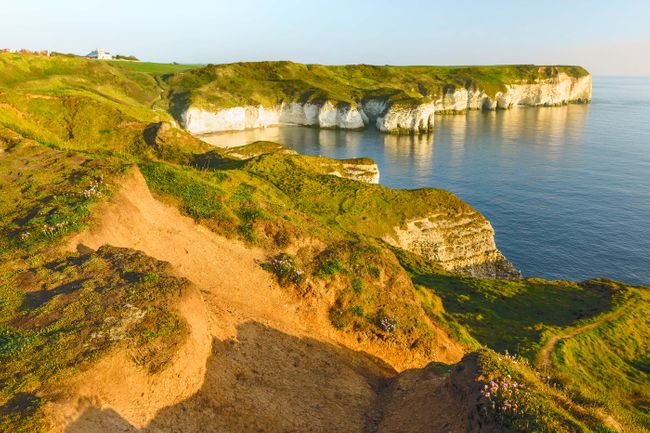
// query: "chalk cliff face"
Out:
[405,118]
[201,121]
[461,241]
[386,117]
[558,90]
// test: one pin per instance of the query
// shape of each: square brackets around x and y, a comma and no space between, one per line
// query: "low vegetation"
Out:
[514,316]
[518,399]
[47,194]
[357,207]
[61,315]
[155,68]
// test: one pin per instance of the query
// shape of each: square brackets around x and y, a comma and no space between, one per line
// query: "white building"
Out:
[100,54]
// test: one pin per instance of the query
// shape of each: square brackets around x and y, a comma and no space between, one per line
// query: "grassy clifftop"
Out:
[268,83]
[135,88]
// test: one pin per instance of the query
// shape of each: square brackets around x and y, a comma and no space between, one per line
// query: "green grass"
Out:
[547,409]
[513,315]
[69,312]
[231,202]
[357,207]
[508,315]
[63,75]
[48,194]
[155,68]
[610,364]
[255,149]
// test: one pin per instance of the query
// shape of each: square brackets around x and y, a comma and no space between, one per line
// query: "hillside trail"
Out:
[271,362]
[544,362]
[161,94]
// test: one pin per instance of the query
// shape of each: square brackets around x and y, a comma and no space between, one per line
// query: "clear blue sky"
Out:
[608,37]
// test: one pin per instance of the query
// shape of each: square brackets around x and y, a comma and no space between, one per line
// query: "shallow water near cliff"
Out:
[567,189]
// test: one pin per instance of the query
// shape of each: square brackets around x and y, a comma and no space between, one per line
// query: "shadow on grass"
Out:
[513,315]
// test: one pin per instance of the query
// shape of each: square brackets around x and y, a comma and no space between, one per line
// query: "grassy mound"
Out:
[59,316]
[512,397]
[373,210]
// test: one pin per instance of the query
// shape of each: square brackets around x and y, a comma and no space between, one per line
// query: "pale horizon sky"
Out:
[606,37]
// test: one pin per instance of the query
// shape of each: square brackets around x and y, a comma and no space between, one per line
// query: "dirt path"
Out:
[274,363]
[222,268]
[544,357]
[161,94]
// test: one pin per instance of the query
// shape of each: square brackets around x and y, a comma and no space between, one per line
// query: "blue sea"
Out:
[567,189]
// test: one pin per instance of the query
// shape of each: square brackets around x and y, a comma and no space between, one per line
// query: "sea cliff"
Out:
[383,115]
[460,241]
[560,89]
[392,99]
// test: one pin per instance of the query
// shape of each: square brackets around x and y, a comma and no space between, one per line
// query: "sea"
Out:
[567,189]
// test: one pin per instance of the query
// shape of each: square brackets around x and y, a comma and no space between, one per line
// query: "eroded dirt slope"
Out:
[265,362]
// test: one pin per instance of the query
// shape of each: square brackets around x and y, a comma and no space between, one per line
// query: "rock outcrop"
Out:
[460,241]
[362,170]
[400,117]
[560,89]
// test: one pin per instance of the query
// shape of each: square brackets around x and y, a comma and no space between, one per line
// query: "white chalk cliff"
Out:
[407,118]
[386,117]
[560,89]
[327,115]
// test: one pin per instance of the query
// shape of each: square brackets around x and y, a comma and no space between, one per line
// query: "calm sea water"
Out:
[567,189]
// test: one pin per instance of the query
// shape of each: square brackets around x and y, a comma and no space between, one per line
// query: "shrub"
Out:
[339,318]
[386,323]
[357,285]
[357,310]
[505,400]
[330,268]
[123,57]
[285,269]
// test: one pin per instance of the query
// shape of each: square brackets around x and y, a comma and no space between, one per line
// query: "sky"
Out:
[607,37]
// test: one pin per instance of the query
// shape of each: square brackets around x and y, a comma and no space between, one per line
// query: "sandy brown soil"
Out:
[259,359]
